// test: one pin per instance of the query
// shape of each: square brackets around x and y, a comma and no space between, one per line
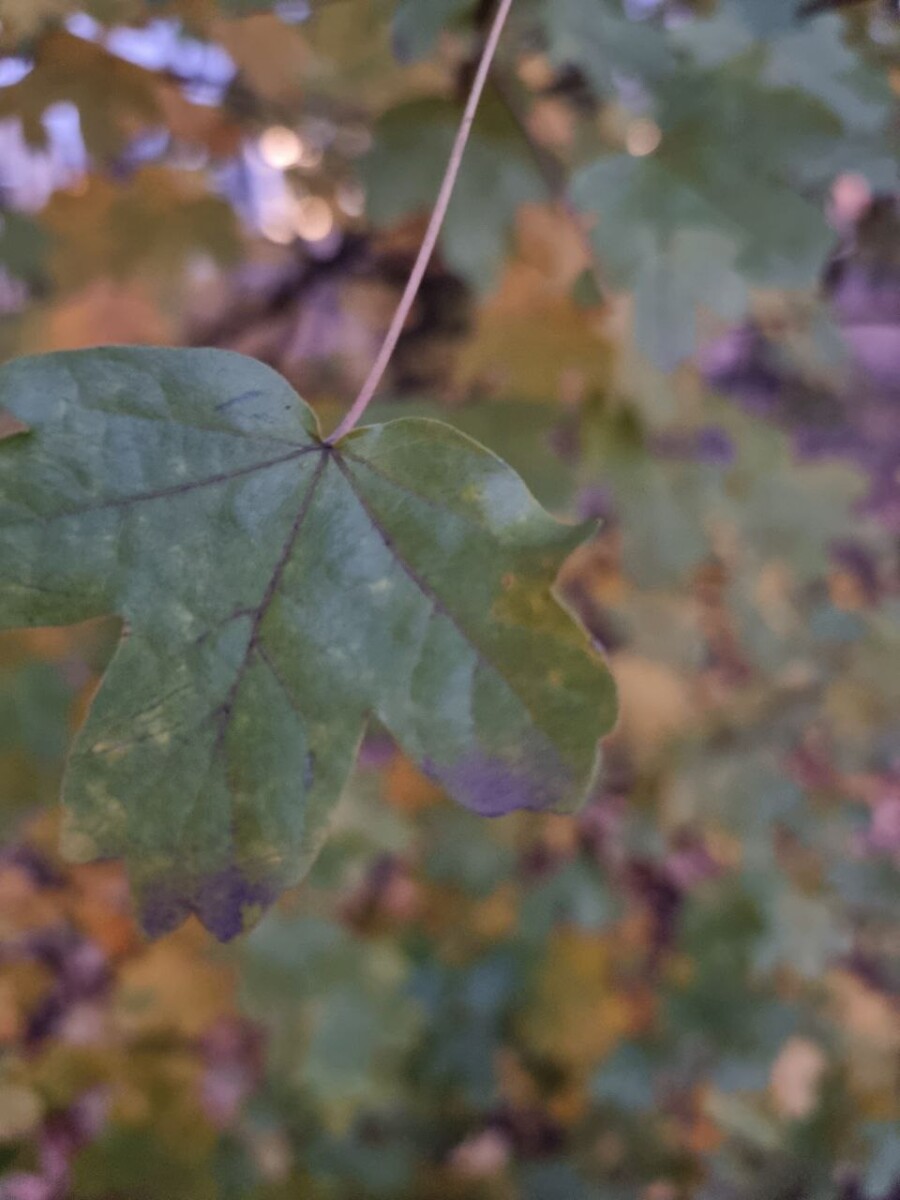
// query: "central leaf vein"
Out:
[177,489]
[226,709]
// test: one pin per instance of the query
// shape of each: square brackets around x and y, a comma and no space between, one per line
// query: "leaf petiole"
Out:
[426,250]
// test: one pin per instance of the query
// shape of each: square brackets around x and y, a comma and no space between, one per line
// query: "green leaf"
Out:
[457,858]
[403,173]
[716,39]
[559,1180]
[275,592]
[694,268]
[817,60]
[768,17]
[576,894]
[883,1169]
[417,25]
[595,36]
[23,246]
[727,163]
[337,1012]
[806,934]
[627,1079]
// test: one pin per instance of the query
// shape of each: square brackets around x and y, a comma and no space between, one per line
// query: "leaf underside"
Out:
[276,592]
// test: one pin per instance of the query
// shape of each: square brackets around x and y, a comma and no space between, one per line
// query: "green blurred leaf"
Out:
[596,36]
[727,164]
[23,246]
[337,1011]
[695,267]
[403,174]
[627,1079]
[418,23]
[884,1166]
[806,933]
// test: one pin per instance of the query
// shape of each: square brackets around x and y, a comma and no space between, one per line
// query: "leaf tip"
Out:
[227,903]
[493,787]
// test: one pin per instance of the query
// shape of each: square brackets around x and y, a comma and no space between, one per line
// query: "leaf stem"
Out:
[370,387]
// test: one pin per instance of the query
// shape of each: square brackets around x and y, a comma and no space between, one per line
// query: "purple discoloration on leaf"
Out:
[160,912]
[493,788]
[227,903]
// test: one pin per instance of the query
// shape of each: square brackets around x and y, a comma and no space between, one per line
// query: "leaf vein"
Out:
[179,489]
[428,591]
[225,711]
[408,491]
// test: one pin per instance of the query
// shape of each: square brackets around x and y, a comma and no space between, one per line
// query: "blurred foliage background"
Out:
[668,292]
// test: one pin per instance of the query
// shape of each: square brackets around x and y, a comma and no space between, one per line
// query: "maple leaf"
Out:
[277,591]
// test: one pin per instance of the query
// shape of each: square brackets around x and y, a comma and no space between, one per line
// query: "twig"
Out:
[370,387]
